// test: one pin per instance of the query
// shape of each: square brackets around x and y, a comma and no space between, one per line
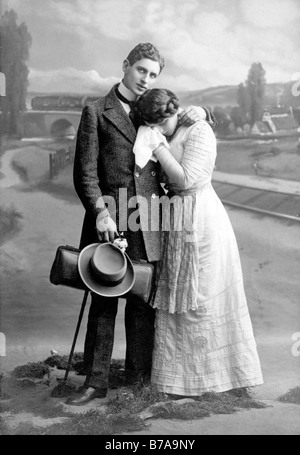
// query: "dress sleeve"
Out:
[197,160]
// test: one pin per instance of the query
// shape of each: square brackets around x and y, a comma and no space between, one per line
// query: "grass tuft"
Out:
[134,399]
[208,404]
[61,361]
[34,370]
[88,423]
[10,223]
[126,411]
[292,396]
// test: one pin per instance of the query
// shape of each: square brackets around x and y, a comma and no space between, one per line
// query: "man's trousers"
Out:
[99,341]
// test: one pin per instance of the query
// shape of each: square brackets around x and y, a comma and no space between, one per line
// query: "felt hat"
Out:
[106,270]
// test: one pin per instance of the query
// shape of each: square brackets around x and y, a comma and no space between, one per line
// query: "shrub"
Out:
[276,151]
[9,223]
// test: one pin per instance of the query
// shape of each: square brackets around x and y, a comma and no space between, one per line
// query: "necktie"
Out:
[122,98]
[130,103]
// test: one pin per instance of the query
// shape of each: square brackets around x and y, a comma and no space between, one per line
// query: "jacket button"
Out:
[153,196]
[137,174]
[153,173]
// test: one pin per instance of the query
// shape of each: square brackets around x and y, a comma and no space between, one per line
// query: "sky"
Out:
[79,45]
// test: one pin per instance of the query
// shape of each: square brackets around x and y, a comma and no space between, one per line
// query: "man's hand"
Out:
[106,229]
[192,114]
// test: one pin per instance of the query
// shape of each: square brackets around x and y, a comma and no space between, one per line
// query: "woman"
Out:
[204,339]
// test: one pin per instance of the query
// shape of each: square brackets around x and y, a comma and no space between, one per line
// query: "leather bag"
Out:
[64,271]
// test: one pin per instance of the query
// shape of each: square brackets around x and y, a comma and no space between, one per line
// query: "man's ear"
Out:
[126,66]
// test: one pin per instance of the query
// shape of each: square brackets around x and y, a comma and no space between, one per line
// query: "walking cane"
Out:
[86,293]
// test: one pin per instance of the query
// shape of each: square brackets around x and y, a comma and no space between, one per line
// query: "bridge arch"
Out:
[62,128]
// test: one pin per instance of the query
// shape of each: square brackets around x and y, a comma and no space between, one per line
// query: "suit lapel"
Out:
[115,113]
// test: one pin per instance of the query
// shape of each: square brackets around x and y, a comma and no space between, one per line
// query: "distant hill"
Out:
[224,96]
[31,95]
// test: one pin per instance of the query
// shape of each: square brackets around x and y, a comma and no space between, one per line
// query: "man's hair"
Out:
[155,105]
[145,50]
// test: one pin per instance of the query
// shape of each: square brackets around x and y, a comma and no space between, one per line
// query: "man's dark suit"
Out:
[104,163]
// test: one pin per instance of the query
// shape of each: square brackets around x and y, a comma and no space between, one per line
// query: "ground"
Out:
[279,158]
[37,317]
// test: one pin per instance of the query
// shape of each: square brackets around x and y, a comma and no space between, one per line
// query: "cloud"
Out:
[181,83]
[69,80]
[112,18]
[270,13]
[220,46]
[209,42]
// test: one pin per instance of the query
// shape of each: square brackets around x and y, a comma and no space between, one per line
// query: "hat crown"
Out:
[108,262]
[100,282]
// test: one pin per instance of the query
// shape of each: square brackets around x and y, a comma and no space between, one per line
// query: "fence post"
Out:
[51,163]
[62,158]
[59,159]
[54,164]
[71,153]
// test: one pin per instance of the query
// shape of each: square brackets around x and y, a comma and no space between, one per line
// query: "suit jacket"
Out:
[105,174]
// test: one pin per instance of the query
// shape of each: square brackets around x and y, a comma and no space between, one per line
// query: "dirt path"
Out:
[10,177]
[277,419]
[36,315]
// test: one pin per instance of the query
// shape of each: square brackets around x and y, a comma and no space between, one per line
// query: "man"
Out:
[104,165]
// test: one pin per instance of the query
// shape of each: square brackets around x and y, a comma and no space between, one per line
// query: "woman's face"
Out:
[167,126]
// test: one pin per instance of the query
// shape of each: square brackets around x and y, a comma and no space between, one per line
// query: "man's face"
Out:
[141,75]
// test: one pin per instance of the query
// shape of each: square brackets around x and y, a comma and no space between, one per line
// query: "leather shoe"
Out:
[87,394]
[141,380]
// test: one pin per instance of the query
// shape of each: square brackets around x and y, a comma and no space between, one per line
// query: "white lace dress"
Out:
[203,338]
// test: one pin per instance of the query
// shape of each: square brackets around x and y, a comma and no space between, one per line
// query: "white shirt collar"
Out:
[126,92]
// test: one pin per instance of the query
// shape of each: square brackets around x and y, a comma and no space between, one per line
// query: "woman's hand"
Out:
[156,137]
[160,148]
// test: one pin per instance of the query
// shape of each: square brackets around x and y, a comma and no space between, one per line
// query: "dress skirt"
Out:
[205,350]
[204,339]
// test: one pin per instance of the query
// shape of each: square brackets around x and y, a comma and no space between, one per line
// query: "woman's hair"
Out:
[145,50]
[156,105]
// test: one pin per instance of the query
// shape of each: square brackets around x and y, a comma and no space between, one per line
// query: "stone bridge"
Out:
[50,123]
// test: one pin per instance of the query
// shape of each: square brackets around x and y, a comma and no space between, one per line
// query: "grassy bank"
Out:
[279,159]
[10,223]
[30,389]
[10,143]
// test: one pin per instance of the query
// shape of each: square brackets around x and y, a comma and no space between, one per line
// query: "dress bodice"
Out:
[194,148]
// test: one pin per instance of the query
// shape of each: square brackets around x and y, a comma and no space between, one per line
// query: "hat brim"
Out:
[95,284]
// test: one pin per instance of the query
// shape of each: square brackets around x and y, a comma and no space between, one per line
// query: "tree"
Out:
[256,84]
[238,116]
[15,45]
[223,120]
[244,102]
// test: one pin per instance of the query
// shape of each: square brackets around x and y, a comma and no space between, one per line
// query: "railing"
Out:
[266,202]
[60,159]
